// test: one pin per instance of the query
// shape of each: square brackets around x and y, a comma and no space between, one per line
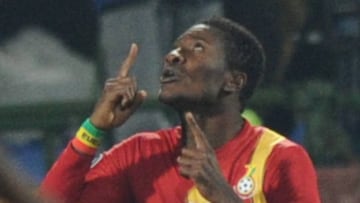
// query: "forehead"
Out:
[200,31]
[199,28]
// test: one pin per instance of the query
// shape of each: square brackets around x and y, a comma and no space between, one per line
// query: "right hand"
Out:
[120,97]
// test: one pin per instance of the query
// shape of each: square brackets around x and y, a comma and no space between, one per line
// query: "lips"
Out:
[168,75]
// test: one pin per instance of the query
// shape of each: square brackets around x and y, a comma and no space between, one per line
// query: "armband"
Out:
[88,138]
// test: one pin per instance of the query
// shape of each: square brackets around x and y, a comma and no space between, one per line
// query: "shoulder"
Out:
[284,152]
[144,140]
[289,156]
[138,146]
[289,150]
[160,135]
[283,147]
[290,174]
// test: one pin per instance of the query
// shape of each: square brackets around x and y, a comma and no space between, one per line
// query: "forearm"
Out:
[66,179]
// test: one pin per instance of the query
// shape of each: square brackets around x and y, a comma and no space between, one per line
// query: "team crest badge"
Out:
[246,186]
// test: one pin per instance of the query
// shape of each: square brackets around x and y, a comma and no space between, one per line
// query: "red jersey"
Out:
[143,169]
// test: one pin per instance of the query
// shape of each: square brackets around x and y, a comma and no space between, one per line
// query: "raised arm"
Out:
[66,180]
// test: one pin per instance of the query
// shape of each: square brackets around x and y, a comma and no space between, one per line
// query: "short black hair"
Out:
[243,52]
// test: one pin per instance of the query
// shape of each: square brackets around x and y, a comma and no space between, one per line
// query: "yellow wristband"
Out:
[87,138]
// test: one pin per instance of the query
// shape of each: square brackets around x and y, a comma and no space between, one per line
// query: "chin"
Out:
[166,98]
[178,102]
[169,98]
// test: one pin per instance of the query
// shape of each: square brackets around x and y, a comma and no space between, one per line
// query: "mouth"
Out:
[168,76]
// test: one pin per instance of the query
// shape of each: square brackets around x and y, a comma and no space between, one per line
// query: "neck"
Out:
[218,127]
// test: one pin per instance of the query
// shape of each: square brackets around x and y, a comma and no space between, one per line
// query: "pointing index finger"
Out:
[129,61]
[199,136]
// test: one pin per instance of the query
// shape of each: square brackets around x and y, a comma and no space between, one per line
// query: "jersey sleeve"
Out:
[290,176]
[65,180]
[73,178]
[107,180]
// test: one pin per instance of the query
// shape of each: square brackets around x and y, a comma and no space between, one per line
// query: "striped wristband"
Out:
[88,138]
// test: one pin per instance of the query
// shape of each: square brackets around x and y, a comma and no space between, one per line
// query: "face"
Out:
[193,71]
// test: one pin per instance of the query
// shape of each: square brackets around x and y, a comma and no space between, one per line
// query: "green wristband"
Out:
[96,132]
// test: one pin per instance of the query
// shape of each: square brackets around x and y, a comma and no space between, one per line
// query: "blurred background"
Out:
[56,54]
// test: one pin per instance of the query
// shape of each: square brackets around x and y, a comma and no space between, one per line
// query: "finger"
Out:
[185,171]
[117,87]
[139,99]
[130,93]
[201,141]
[191,171]
[193,153]
[129,61]
[188,161]
[134,87]
[127,98]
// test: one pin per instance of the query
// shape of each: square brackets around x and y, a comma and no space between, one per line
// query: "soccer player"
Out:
[215,155]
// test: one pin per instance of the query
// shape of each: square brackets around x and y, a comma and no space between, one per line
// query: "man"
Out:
[215,156]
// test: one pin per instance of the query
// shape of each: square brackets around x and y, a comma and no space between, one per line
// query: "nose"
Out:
[174,57]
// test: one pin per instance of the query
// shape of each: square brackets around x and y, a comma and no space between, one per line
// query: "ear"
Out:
[234,81]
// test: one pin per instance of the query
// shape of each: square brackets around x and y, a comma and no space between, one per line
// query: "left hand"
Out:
[200,165]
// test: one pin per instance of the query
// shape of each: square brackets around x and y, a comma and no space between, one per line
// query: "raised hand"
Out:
[200,165]
[120,97]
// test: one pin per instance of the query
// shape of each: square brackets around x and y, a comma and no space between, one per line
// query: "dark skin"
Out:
[196,82]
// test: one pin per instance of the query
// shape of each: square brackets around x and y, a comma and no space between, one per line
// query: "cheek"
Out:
[205,87]
[213,80]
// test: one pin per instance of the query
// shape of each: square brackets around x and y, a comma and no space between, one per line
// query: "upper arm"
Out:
[290,175]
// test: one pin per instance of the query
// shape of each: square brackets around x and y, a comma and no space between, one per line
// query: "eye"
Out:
[198,47]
